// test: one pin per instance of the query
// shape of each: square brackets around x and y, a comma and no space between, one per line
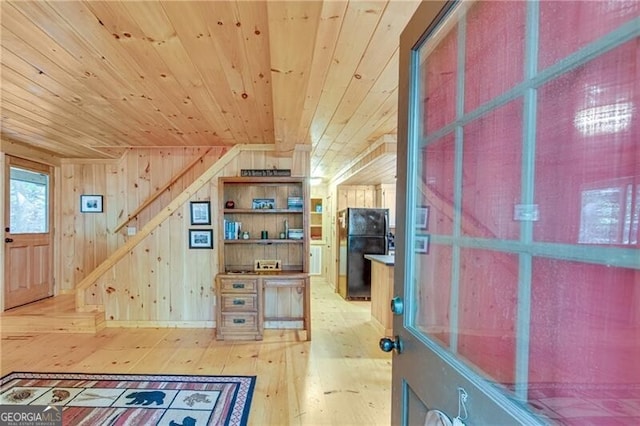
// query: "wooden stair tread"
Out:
[53,315]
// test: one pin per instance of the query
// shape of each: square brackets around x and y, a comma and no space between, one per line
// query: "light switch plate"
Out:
[131,230]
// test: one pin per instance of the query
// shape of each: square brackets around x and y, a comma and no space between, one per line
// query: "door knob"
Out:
[8,240]
[397,306]
[388,345]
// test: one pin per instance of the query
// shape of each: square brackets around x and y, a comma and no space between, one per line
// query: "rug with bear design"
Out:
[133,399]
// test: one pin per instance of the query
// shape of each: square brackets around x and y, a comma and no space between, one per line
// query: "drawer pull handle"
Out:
[238,285]
[239,320]
[238,302]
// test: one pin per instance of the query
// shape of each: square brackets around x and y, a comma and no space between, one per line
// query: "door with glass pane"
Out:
[518,256]
[28,242]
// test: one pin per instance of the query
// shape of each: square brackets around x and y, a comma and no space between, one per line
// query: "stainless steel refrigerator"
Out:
[360,231]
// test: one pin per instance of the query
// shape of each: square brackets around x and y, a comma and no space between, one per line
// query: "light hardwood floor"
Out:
[341,377]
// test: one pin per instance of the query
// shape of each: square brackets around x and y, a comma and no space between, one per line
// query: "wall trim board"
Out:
[3,171]
[161,324]
[56,223]
[16,149]
[90,161]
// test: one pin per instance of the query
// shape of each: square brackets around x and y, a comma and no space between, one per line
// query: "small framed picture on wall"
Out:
[422,217]
[91,204]
[200,238]
[422,244]
[200,212]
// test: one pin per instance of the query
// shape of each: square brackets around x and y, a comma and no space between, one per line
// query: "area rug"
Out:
[133,399]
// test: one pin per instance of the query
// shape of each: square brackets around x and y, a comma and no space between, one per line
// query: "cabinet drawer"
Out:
[239,302]
[240,285]
[284,282]
[239,321]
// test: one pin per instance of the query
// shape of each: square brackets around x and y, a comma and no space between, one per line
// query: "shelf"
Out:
[262,211]
[237,253]
[315,219]
[250,273]
[264,242]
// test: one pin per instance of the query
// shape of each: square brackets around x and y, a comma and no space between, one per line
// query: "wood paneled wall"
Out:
[87,238]
[338,198]
[356,196]
[161,281]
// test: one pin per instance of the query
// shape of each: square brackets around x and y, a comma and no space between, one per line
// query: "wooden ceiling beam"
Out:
[16,149]
[385,145]
[360,22]
[331,19]
[292,31]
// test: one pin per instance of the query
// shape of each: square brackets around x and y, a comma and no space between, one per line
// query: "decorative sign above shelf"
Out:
[265,172]
[267,265]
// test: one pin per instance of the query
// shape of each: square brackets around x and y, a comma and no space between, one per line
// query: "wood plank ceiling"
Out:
[87,79]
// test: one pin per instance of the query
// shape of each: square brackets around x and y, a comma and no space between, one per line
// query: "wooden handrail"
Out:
[159,192]
[174,205]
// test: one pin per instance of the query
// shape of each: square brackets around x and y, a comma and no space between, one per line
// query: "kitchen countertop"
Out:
[386,259]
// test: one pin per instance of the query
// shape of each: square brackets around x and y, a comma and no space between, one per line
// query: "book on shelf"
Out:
[294,203]
[232,230]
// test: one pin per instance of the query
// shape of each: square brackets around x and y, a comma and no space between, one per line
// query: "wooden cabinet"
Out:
[287,300]
[382,276]
[250,303]
[273,212]
[239,303]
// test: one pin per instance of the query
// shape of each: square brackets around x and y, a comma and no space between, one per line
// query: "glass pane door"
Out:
[522,262]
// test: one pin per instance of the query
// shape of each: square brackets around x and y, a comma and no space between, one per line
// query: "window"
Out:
[29,202]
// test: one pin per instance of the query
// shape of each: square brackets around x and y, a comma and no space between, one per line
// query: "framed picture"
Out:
[200,238]
[91,203]
[422,217]
[264,203]
[422,244]
[200,212]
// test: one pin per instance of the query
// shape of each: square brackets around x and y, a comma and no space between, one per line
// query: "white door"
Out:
[27,238]
[316,260]
[518,254]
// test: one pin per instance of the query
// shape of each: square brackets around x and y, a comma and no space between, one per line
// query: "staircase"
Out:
[52,315]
